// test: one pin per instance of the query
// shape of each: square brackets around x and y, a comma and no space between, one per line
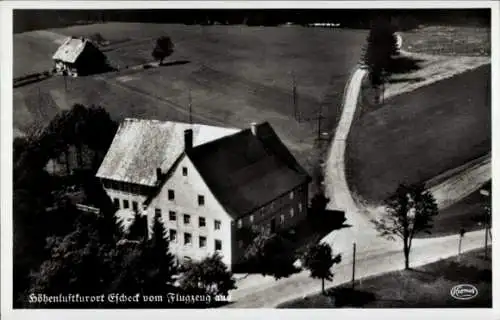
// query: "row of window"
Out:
[126,187]
[277,203]
[282,216]
[186,218]
[172,215]
[126,204]
[188,239]
[171,197]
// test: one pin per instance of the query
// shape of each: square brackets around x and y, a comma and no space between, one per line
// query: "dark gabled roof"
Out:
[246,171]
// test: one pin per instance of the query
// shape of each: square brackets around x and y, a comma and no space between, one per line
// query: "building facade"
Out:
[206,183]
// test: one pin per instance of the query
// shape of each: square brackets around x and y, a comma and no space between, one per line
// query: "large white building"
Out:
[207,182]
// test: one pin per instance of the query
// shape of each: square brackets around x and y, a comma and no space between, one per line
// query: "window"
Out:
[201,200]
[171,194]
[203,242]
[172,216]
[251,218]
[300,207]
[157,212]
[116,202]
[282,218]
[187,238]
[172,235]
[202,222]
[184,171]
[218,245]
[135,207]
[217,224]
[292,212]
[125,204]
[240,223]
[187,219]
[291,195]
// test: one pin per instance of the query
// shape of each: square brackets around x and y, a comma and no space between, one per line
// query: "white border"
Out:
[6,163]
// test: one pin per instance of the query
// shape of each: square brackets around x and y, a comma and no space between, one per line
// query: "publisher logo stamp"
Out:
[464,292]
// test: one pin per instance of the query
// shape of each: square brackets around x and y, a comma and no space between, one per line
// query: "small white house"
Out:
[78,56]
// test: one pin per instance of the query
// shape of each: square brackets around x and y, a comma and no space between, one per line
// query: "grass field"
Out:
[448,40]
[236,75]
[459,215]
[419,135]
[424,287]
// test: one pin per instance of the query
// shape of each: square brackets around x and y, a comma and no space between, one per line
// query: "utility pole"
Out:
[319,119]
[485,236]
[462,233]
[190,103]
[486,193]
[294,95]
[65,83]
[353,264]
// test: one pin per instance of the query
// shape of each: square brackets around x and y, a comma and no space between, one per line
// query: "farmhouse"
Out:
[206,182]
[78,56]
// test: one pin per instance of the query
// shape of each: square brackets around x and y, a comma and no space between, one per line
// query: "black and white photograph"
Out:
[248,158]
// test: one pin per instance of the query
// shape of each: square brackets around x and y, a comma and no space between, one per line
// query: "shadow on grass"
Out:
[454,271]
[349,297]
[31,78]
[409,80]
[174,63]
[165,64]
[402,64]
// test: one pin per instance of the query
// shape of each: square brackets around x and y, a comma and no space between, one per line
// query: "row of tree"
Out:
[25,20]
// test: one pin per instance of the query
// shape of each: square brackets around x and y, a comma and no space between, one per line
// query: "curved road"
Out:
[374,254]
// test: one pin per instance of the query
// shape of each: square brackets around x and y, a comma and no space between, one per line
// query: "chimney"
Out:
[158,174]
[188,139]
[253,127]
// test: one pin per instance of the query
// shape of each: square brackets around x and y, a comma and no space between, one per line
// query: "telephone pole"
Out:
[487,213]
[294,96]
[319,119]
[190,103]
[353,264]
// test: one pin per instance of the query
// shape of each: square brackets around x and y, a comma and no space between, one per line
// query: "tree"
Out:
[209,276]
[318,204]
[79,262]
[162,266]
[39,210]
[138,227]
[408,212]
[381,46]
[319,261]
[271,254]
[317,211]
[164,48]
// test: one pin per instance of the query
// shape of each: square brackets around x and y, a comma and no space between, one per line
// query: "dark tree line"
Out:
[25,20]
[41,208]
